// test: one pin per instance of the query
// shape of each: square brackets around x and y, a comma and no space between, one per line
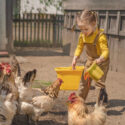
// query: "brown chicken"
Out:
[78,115]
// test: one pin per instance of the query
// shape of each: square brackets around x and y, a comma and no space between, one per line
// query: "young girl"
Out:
[94,41]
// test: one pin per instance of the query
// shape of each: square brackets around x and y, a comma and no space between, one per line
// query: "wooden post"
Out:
[118,23]
[106,22]
[54,30]
[3,39]
[9,22]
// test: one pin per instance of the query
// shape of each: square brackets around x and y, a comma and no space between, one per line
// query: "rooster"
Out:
[78,115]
[8,108]
[5,69]
[7,78]
[12,69]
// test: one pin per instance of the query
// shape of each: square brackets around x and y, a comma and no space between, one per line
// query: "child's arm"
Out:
[74,61]
[78,51]
[104,49]
[80,46]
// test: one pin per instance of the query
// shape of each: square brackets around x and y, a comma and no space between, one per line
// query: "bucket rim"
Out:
[69,68]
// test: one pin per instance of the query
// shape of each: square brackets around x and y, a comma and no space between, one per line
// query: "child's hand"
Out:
[74,62]
[100,60]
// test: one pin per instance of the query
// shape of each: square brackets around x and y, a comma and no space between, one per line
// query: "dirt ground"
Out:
[45,61]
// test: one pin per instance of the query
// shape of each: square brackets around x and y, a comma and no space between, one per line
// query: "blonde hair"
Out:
[88,16]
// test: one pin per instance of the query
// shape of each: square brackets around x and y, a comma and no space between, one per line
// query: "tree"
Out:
[55,3]
[47,3]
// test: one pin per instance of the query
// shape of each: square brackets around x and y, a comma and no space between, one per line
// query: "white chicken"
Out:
[8,108]
[26,93]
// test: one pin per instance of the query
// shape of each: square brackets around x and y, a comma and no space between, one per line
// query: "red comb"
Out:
[6,68]
[60,80]
[72,94]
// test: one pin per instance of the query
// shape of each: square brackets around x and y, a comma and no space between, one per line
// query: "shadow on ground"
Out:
[45,119]
[116,103]
[50,122]
[111,107]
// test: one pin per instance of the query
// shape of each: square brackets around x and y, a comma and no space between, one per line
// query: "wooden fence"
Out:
[38,30]
[113,22]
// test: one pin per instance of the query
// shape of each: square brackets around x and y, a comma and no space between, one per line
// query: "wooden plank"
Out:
[112,24]
[38,28]
[106,22]
[122,24]
[42,28]
[9,24]
[54,30]
[23,27]
[49,29]
[101,22]
[118,23]
[111,52]
[69,20]
[65,20]
[46,16]
[58,28]
[27,17]
[34,27]
[115,40]
[30,27]
[109,45]
[19,28]
[121,57]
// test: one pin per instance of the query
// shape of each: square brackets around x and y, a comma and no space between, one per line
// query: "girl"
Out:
[94,41]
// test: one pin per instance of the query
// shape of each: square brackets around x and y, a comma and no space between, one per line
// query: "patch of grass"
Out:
[40,83]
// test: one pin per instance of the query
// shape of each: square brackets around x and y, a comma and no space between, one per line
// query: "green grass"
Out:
[40,83]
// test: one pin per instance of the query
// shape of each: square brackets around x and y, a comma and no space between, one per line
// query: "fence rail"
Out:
[38,30]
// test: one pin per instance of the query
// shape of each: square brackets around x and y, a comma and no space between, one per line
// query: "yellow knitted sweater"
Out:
[101,45]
